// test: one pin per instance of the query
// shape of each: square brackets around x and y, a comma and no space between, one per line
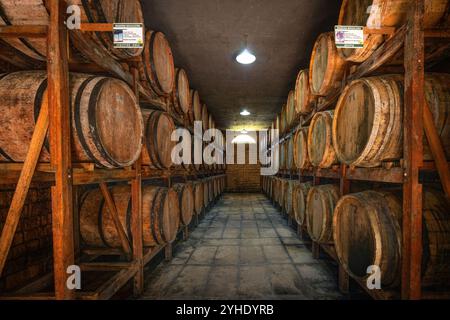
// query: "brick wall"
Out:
[244,177]
[31,252]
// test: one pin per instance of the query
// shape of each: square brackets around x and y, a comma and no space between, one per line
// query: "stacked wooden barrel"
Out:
[107,124]
[367,130]
[383,13]
[367,231]
[320,205]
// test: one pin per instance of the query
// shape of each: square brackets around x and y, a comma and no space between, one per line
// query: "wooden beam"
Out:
[413,153]
[437,33]
[383,54]
[136,210]
[115,217]
[37,31]
[97,27]
[383,30]
[23,185]
[436,147]
[60,147]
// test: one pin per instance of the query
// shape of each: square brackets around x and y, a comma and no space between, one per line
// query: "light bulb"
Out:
[246,57]
[243,139]
[245,113]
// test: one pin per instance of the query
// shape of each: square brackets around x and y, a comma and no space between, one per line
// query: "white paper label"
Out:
[128,35]
[349,36]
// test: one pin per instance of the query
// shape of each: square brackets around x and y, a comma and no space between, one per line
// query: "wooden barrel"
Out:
[290,109]
[283,120]
[181,95]
[299,195]
[198,197]
[205,117]
[320,203]
[211,189]
[186,199]
[367,231]
[277,190]
[216,187]
[282,150]
[384,13]
[301,158]
[327,68]
[302,94]
[283,193]
[34,12]
[290,154]
[197,106]
[320,142]
[368,121]
[158,144]
[205,192]
[160,213]
[107,125]
[157,70]
[288,204]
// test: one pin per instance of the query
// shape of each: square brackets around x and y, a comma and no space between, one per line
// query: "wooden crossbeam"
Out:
[28,31]
[96,27]
[23,185]
[115,216]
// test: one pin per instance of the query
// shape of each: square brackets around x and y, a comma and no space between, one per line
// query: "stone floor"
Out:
[243,249]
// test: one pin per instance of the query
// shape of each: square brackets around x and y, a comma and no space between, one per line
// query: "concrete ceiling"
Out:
[206,36]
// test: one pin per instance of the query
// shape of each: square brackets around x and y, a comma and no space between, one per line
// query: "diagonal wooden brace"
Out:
[115,216]
[437,150]
[23,185]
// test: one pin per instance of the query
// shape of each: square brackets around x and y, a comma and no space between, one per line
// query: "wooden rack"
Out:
[66,176]
[417,120]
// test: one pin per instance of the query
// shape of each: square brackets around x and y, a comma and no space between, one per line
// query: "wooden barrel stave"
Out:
[299,195]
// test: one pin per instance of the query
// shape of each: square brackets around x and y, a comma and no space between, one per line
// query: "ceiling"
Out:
[206,36]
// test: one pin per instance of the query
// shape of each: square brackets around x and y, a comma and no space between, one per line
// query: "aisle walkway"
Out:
[243,249]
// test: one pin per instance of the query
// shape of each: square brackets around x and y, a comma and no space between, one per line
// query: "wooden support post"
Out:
[343,280]
[186,233]
[136,221]
[60,147]
[315,250]
[413,153]
[168,251]
[20,195]
[115,217]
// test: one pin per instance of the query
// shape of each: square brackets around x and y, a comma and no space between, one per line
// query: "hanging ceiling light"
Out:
[245,113]
[243,139]
[246,57]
